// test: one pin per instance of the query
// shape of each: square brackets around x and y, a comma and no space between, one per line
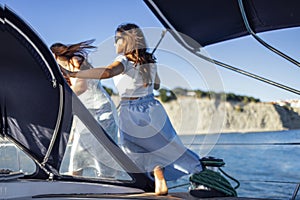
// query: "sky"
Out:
[71,21]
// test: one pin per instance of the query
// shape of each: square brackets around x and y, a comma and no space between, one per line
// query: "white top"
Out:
[130,82]
[95,96]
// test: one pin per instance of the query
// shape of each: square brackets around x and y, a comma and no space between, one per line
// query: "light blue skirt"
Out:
[149,139]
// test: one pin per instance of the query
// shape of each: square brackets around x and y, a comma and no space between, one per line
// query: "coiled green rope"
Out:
[213,180]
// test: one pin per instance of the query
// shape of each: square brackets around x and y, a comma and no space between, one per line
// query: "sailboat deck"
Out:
[170,196]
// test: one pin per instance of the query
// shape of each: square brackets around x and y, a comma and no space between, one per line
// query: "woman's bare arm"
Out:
[109,71]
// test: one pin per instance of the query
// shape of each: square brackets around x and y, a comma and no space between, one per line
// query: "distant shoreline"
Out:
[190,115]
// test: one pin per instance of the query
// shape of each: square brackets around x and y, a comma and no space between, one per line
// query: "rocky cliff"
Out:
[190,115]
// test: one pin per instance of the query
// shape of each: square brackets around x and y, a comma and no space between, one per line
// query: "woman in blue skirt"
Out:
[146,133]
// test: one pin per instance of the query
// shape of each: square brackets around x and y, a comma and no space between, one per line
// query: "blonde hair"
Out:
[135,46]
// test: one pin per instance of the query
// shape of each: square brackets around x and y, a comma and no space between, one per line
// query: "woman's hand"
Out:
[65,72]
[66,75]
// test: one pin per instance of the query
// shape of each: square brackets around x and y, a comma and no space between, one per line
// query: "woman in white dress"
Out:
[86,152]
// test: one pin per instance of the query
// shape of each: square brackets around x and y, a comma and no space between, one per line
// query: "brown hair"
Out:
[80,49]
[136,47]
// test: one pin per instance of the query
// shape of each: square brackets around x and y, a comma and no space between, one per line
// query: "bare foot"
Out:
[161,187]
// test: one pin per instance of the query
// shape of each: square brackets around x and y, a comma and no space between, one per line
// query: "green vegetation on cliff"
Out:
[168,95]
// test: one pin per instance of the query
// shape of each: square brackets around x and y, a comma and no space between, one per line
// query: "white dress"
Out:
[86,151]
[146,133]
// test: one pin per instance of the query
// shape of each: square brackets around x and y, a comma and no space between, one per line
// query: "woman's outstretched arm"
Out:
[109,71]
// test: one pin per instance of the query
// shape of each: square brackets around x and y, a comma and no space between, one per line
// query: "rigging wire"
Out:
[265,181]
[248,144]
[254,76]
[253,34]
[295,192]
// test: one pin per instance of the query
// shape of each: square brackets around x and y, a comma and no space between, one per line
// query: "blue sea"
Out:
[267,164]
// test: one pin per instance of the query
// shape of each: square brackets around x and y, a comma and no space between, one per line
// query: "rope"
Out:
[213,180]
[230,177]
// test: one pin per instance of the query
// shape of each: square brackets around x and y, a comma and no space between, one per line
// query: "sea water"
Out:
[265,163]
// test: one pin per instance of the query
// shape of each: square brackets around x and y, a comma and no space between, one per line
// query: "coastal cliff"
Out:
[190,115]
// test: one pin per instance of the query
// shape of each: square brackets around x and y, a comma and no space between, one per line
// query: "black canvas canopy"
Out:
[213,21]
[199,23]
[33,96]
[37,105]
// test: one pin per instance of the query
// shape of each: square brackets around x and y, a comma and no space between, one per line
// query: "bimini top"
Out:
[37,106]
[213,21]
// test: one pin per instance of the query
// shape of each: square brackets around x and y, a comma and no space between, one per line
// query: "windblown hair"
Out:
[81,49]
[135,46]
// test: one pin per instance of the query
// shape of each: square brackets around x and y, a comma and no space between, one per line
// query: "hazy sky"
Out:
[70,21]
